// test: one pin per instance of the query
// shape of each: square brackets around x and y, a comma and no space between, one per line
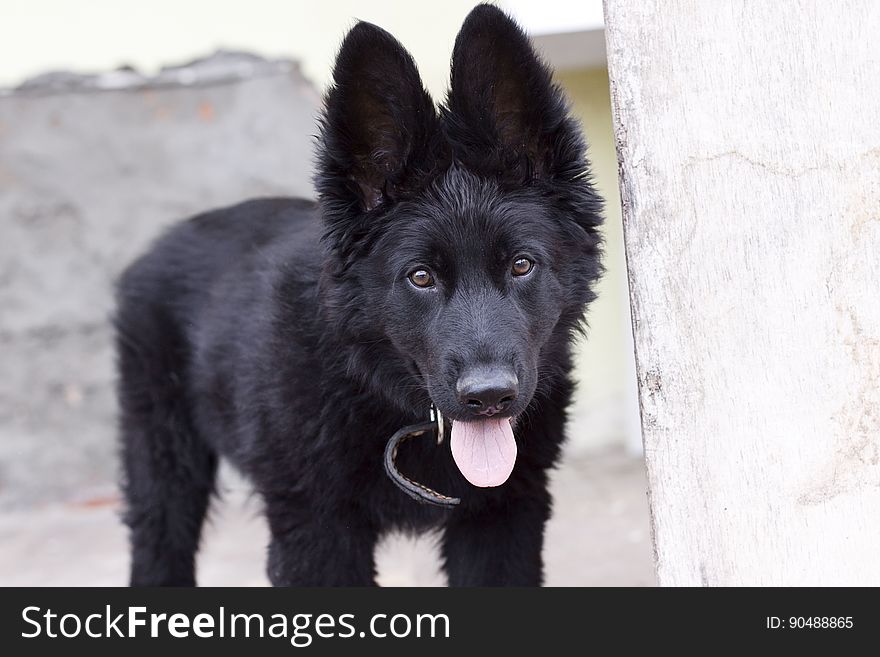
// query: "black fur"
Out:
[285,336]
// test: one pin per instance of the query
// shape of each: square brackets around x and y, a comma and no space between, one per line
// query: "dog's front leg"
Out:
[315,549]
[499,545]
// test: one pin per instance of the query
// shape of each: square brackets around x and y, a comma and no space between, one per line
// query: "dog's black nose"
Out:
[487,390]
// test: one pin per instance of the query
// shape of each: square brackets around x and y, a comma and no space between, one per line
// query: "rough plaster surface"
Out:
[749,147]
[91,169]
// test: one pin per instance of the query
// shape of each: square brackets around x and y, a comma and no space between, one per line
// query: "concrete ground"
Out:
[599,536]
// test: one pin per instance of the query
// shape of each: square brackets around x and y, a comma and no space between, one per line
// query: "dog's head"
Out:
[460,241]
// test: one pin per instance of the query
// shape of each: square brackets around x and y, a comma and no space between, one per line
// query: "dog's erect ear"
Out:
[377,124]
[505,116]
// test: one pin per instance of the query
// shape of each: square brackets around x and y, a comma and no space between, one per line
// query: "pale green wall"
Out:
[606,409]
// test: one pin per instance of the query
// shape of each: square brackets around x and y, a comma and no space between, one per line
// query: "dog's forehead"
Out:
[462,222]
[471,230]
[463,209]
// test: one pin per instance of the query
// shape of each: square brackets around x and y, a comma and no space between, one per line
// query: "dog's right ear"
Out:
[376,128]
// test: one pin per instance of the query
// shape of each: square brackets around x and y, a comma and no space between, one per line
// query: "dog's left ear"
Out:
[505,117]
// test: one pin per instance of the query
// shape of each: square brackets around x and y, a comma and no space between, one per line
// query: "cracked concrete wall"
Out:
[91,170]
[749,148]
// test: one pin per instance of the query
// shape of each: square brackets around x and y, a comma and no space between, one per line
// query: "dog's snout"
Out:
[487,390]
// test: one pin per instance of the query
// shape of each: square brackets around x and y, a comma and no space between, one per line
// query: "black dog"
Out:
[448,260]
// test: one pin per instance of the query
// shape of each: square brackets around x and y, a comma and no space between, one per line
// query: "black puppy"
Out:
[448,260]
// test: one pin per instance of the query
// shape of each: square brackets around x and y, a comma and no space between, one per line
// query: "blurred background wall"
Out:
[49,404]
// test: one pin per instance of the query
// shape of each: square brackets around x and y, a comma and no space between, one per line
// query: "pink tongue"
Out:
[484,451]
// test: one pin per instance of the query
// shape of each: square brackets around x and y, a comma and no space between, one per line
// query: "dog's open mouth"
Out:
[484,450]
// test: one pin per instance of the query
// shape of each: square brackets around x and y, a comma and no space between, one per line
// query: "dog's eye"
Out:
[522,266]
[421,278]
